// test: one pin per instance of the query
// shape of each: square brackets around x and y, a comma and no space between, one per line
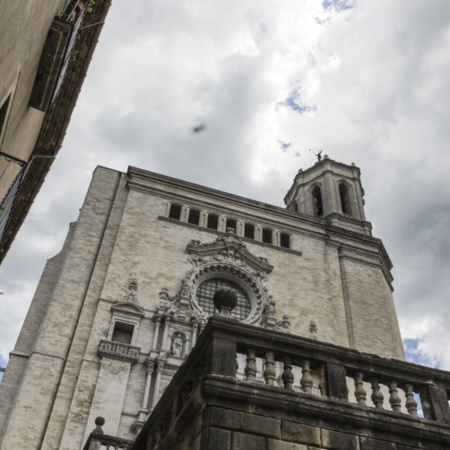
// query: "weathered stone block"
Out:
[219,439]
[296,432]
[339,441]
[374,444]
[225,418]
[280,445]
[242,441]
[265,426]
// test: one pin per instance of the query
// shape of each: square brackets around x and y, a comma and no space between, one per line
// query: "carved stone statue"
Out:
[177,346]
[185,287]
[269,309]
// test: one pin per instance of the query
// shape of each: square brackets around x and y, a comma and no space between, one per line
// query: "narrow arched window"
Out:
[175,211]
[267,235]
[285,240]
[249,231]
[317,201]
[231,223]
[344,195]
[213,221]
[194,216]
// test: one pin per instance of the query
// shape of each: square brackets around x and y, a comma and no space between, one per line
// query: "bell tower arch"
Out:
[331,191]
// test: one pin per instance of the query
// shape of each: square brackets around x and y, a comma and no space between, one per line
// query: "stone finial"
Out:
[99,422]
[132,289]
[285,323]
[312,330]
[225,301]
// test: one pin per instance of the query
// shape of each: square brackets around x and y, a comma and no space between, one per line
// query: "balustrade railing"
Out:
[99,441]
[304,370]
[118,350]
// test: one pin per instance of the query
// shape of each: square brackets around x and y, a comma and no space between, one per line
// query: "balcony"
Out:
[118,350]
[245,387]
[208,405]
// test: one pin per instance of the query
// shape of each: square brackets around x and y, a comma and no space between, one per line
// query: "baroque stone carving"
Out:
[131,296]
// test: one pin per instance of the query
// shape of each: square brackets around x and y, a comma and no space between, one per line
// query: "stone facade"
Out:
[119,309]
[43,62]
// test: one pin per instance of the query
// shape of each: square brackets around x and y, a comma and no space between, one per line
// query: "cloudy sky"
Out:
[366,81]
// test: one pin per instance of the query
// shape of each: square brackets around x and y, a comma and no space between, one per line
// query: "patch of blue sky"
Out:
[284,145]
[293,102]
[2,365]
[414,354]
[338,5]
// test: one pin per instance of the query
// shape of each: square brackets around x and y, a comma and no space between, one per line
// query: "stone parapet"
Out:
[361,402]
[118,350]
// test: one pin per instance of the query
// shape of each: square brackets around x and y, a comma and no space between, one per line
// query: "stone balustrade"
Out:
[118,350]
[99,441]
[382,391]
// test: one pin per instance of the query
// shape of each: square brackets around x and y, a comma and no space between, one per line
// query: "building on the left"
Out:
[45,51]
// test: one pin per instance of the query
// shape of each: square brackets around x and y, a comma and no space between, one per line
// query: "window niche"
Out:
[194,217]
[175,211]
[231,223]
[317,201]
[213,221]
[122,332]
[249,231]
[125,321]
[178,344]
[267,235]
[344,195]
[285,240]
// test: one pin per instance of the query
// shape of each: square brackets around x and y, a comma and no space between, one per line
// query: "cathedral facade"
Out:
[118,310]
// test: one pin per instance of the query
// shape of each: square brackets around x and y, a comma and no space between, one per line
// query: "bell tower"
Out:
[331,191]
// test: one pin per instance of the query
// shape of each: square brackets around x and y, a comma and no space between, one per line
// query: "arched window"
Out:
[249,231]
[213,221]
[285,240]
[231,223]
[175,211]
[194,216]
[317,201]
[344,195]
[267,235]
[205,294]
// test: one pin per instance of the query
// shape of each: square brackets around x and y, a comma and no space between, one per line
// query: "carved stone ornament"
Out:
[132,290]
[226,257]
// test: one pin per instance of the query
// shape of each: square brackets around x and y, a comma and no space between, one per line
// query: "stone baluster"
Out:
[394,399]
[250,367]
[323,381]
[287,376]
[360,392]
[426,404]
[269,372]
[156,334]
[306,381]
[161,362]
[377,396]
[411,404]
[165,334]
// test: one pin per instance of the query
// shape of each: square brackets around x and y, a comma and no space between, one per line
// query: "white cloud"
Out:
[376,76]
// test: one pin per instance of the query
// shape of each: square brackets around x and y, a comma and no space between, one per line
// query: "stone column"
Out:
[156,334]
[161,362]
[165,333]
